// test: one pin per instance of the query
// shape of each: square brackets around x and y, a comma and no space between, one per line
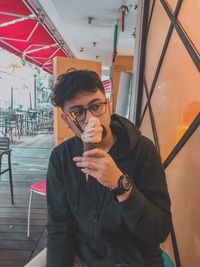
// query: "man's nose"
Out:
[88,115]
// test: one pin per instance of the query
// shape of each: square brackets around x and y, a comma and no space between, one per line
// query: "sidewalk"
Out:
[30,157]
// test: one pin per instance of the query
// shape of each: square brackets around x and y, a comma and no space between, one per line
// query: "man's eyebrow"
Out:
[75,107]
[95,100]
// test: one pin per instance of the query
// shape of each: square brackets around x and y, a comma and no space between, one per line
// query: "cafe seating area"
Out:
[15,124]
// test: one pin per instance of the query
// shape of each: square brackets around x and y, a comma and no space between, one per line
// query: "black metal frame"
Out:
[153,125]
[157,70]
[150,16]
[175,246]
[192,51]
[165,46]
[142,62]
[184,37]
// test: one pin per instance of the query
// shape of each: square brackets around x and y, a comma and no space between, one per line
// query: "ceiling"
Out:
[70,18]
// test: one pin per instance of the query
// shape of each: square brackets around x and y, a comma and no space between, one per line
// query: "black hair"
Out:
[69,84]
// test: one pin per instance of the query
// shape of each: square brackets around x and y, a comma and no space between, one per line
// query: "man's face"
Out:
[86,100]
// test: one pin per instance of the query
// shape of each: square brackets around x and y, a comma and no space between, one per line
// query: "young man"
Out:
[120,215]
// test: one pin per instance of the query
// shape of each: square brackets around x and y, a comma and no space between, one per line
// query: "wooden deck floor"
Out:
[29,164]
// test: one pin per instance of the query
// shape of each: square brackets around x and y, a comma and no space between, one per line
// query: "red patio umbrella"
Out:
[24,32]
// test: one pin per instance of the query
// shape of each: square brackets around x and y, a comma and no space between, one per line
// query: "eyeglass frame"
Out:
[72,116]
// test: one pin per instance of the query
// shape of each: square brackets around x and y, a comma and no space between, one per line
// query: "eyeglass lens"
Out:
[96,110]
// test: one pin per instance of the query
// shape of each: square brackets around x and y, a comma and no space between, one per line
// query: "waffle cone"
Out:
[88,146]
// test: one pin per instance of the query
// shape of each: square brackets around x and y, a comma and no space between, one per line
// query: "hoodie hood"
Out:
[126,132]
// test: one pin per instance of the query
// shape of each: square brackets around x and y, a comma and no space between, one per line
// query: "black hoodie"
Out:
[85,219]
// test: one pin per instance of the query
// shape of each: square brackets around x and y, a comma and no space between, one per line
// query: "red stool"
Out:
[38,188]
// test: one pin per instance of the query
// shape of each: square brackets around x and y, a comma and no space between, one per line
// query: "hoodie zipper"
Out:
[99,209]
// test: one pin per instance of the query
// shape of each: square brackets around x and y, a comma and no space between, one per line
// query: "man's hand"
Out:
[100,165]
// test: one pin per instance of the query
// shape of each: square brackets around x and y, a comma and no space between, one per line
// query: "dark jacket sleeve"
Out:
[147,210]
[60,227]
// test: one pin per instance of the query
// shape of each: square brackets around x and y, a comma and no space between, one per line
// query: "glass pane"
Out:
[123,97]
[145,127]
[189,17]
[172,4]
[184,188]
[159,27]
[176,98]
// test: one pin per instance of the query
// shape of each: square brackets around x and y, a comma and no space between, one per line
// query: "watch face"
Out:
[126,183]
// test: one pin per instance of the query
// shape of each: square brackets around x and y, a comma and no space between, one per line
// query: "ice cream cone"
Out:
[92,135]
[86,147]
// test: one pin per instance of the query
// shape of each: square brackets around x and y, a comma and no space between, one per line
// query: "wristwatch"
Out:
[124,185]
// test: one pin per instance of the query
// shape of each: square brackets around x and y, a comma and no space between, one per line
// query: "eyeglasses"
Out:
[97,110]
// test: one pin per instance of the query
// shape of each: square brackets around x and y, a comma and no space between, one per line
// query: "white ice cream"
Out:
[93,131]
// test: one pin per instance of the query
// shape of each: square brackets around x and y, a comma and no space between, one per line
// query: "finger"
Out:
[82,159]
[96,152]
[76,159]
[88,165]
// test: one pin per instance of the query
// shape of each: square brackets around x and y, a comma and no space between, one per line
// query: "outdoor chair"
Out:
[38,188]
[5,150]
[4,129]
[9,124]
[32,123]
[13,124]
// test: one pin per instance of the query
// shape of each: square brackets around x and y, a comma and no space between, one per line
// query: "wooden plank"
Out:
[21,228]
[13,255]
[20,203]
[19,221]
[17,244]
[20,215]
[21,210]
[29,164]
[19,236]
[11,263]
